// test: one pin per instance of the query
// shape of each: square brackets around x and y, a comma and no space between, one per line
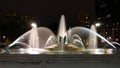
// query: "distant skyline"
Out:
[49,11]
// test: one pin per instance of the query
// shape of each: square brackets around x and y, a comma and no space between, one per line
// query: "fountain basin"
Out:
[59,61]
[46,51]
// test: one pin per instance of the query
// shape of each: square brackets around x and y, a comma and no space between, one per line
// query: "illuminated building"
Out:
[107,12]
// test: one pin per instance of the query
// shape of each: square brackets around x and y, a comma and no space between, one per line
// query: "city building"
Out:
[107,14]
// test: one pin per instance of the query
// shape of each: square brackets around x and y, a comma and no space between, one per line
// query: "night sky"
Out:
[49,11]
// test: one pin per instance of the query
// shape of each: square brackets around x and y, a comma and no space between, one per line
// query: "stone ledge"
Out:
[59,61]
[60,57]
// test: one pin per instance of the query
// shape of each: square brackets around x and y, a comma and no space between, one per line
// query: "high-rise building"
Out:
[108,14]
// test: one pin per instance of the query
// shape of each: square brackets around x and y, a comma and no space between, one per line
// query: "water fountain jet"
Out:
[92,39]
[62,37]
[42,40]
[34,37]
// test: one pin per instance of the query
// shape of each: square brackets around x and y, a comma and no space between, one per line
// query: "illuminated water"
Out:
[34,37]
[41,40]
[62,33]
[92,39]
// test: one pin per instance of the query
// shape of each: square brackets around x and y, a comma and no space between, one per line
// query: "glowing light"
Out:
[107,25]
[116,28]
[86,22]
[118,23]
[116,39]
[4,37]
[86,17]
[33,25]
[108,15]
[106,32]
[112,29]
[35,51]
[110,37]
[97,24]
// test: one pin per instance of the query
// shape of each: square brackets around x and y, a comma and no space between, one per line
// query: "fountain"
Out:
[41,40]
[92,39]
[34,38]
[62,33]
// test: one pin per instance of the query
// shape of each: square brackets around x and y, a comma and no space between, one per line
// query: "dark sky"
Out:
[49,11]
[46,12]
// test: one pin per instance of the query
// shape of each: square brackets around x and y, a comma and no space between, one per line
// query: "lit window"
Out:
[86,17]
[107,25]
[118,23]
[108,15]
[110,38]
[116,29]
[112,29]
[116,39]
[106,32]
[4,37]
[99,18]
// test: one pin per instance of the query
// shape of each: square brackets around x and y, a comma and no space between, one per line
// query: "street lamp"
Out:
[33,25]
[97,24]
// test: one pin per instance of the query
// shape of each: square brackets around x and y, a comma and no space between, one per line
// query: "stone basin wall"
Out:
[59,61]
